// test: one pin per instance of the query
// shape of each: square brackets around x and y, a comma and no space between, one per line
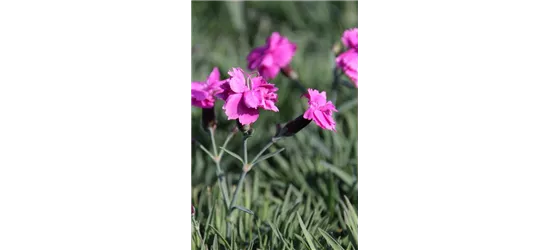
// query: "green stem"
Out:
[335,85]
[219,172]
[300,86]
[229,137]
[212,132]
[245,149]
[237,190]
[262,151]
[245,169]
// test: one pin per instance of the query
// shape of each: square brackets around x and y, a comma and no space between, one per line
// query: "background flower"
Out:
[348,60]
[350,38]
[274,55]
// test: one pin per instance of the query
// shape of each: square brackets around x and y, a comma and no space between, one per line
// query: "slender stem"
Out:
[300,86]
[237,190]
[262,151]
[245,149]
[219,172]
[222,185]
[212,131]
[229,137]
[235,196]
[245,169]
[335,85]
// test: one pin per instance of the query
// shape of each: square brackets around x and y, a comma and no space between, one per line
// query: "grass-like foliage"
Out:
[301,192]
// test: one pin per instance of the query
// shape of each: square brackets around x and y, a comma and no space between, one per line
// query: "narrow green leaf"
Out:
[218,234]
[209,222]
[347,105]
[215,245]
[345,177]
[267,156]
[243,209]
[303,241]
[308,236]
[232,154]
[333,243]
[278,234]
[251,245]
[207,152]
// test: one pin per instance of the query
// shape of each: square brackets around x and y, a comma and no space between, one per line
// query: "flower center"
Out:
[249,79]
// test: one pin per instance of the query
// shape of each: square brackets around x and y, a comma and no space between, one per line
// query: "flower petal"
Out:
[237,81]
[267,60]
[250,99]
[255,57]
[350,38]
[247,115]
[274,40]
[315,98]
[198,94]
[248,118]
[232,105]
[269,72]
[308,114]
[270,105]
[322,121]
[214,76]
[283,54]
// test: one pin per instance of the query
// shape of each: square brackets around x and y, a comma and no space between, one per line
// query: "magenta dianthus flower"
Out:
[348,60]
[320,110]
[244,95]
[274,55]
[203,93]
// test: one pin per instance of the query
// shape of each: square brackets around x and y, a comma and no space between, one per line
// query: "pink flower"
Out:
[271,57]
[348,60]
[203,93]
[245,95]
[320,110]
[350,38]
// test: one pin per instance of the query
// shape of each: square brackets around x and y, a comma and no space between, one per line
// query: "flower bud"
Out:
[336,49]
[208,118]
[245,129]
[294,126]
[234,130]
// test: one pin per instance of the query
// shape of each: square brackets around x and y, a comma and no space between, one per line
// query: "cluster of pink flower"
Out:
[245,94]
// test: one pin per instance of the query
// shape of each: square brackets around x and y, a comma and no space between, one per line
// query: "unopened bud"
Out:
[245,129]
[192,211]
[336,49]
[289,72]
[234,130]
[208,118]
[293,127]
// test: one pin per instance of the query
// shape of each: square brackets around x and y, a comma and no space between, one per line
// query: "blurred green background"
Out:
[318,168]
